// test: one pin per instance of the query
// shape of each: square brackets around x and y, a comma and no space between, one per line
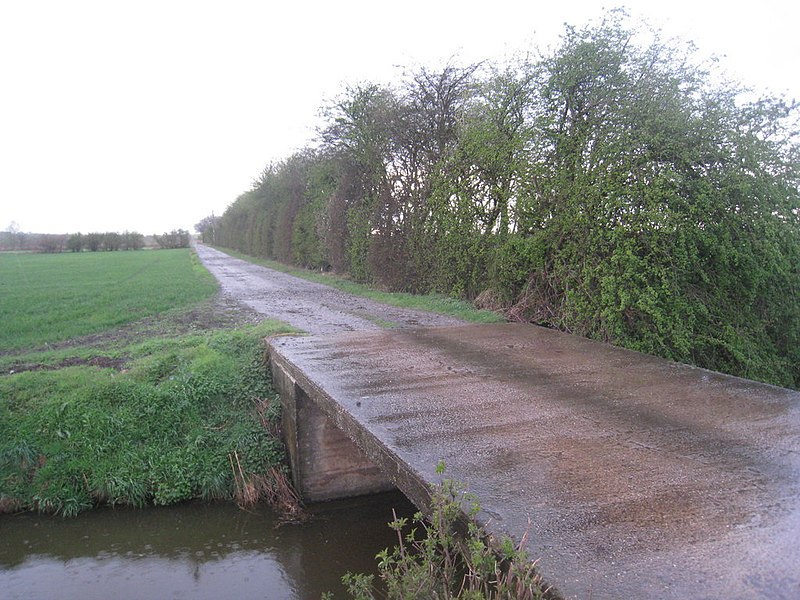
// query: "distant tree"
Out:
[111,241]
[93,241]
[50,243]
[177,238]
[207,228]
[131,240]
[15,237]
[75,242]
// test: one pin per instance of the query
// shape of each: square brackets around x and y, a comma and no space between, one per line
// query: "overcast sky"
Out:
[149,115]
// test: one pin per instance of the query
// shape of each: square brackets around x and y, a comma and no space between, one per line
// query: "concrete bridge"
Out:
[641,478]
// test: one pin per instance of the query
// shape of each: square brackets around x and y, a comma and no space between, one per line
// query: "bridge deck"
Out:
[641,478]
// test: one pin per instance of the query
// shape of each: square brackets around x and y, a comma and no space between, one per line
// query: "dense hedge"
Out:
[607,189]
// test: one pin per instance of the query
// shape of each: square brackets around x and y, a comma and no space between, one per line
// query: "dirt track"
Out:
[312,307]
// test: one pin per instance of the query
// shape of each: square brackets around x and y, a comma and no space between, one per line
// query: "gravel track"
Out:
[312,307]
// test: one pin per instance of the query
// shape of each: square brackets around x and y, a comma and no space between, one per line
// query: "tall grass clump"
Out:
[192,417]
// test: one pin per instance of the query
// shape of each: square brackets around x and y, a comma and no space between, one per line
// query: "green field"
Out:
[47,298]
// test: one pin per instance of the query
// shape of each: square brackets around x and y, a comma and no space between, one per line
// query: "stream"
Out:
[197,551]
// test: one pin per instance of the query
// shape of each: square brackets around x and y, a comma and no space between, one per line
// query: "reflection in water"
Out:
[193,551]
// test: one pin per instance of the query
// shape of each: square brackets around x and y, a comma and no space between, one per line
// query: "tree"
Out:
[111,241]
[50,243]
[93,241]
[359,139]
[132,240]
[481,185]
[177,238]
[665,207]
[15,238]
[207,228]
[75,242]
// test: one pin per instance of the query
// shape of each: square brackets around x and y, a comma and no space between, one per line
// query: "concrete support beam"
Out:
[326,464]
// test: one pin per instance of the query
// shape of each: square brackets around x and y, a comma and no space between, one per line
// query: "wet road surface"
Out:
[642,478]
[312,307]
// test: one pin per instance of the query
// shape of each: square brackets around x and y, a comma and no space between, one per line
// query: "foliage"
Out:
[76,242]
[47,299]
[207,227]
[131,240]
[177,238]
[93,241]
[609,188]
[165,430]
[13,239]
[439,558]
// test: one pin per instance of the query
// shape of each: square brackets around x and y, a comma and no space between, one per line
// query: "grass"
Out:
[172,407]
[165,429]
[436,303]
[46,298]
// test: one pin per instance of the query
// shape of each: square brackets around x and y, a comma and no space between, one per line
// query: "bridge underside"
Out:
[638,477]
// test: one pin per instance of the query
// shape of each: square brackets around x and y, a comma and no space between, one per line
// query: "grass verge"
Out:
[188,417]
[435,303]
[46,298]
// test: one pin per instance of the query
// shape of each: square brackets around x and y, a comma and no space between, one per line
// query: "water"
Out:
[213,551]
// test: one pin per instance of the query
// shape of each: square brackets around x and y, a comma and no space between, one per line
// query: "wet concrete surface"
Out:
[641,478]
[312,307]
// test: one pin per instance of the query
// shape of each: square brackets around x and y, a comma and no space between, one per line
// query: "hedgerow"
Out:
[613,188]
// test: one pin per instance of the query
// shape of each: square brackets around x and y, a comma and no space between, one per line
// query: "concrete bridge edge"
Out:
[331,455]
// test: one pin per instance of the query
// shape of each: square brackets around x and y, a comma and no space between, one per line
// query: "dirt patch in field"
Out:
[218,312]
[103,362]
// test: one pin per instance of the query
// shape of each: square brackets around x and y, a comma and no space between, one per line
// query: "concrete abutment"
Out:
[325,463]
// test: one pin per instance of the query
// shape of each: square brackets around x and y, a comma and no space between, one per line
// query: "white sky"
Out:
[149,115]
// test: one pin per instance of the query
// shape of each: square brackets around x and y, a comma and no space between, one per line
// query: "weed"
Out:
[432,560]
